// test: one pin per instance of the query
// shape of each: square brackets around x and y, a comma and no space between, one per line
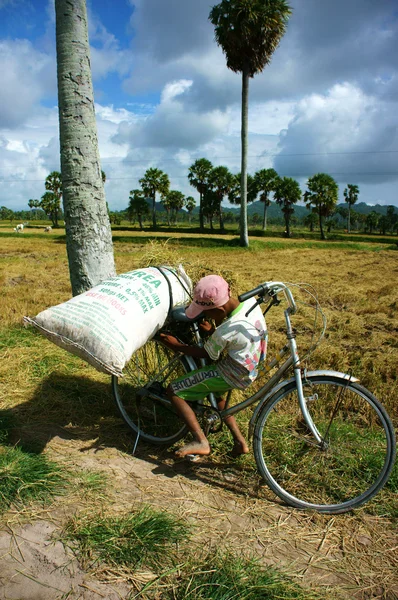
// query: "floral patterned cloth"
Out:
[244,339]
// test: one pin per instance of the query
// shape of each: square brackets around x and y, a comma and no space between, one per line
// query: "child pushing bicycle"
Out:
[241,334]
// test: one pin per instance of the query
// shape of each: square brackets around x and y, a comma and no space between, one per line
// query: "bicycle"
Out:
[320,440]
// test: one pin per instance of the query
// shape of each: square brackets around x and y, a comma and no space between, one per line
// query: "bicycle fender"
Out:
[286,382]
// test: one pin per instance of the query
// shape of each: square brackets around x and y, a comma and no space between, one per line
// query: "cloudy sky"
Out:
[164,96]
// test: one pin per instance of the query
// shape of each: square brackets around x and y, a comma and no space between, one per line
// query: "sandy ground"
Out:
[345,556]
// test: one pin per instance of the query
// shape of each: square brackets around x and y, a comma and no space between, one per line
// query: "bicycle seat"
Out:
[178,314]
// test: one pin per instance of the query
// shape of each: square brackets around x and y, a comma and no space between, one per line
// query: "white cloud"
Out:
[346,133]
[24,80]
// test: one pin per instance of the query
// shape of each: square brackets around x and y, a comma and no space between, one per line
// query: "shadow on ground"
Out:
[80,408]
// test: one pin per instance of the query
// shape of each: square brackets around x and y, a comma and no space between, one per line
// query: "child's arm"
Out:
[172,342]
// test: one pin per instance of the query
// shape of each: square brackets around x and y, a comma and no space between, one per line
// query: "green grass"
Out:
[27,478]
[231,577]
[146,537]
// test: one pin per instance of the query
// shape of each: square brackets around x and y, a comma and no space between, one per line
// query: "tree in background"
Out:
[6,214]
[287,193]
[177,201]
[265,182]
[351,193]
[210,206]
[198,177]
[154,181]
[372,220]
[392,218]
[53,183]
[88,231]
[310,221]
[321,196]
[138,207]
[190,204]
[33,204]
[51,204]
[235,191]
[221,181]
[248,31]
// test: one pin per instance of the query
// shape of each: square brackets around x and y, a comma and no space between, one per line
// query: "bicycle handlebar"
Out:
[269,288]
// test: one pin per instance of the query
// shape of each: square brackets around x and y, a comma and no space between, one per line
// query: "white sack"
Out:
[108,323]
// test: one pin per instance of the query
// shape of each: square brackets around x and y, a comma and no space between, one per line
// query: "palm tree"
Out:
[190,204]
[51,204]
[287,193]
[198,176]
[211,205]
[351,193]
[234,195]
[176,201]
[248,31]
[53,183]
[154,181]
[33,204]
[265,181]
[221,182]
[372,220]
[321,196]
[138,206]
[88,231]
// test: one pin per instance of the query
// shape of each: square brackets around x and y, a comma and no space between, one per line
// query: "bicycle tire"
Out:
[150,419]
[355,462]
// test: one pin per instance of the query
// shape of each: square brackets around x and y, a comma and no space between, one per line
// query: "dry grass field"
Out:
[61,406]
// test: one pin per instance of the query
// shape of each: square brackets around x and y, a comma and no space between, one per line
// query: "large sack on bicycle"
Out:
[108,323]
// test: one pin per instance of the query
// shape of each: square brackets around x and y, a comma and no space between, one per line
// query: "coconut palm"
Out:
[154,181]
[321,196]
[198,176]
[265,181]
[88,231]
[351,193]
[248,31]
[287,193]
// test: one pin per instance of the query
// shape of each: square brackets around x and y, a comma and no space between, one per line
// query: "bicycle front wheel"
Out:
[151,368]
[352,463]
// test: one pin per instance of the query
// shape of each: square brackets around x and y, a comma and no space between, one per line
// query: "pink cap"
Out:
[211,291]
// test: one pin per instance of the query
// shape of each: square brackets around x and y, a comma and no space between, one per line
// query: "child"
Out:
[244,338]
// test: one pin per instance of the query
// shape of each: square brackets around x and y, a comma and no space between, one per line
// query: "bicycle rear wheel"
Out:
[150,369]
[351,465]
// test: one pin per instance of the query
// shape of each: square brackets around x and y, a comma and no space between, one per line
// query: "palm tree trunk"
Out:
[321,226]
[154,211]
[265,215]
[349,219]
[201,223]
[88,231]
[244,238]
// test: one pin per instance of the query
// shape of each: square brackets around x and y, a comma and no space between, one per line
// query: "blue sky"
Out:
[164,96]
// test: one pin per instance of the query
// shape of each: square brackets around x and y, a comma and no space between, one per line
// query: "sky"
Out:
[328,102]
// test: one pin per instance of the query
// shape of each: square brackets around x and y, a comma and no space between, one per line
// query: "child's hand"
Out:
[206,327]
[169,340]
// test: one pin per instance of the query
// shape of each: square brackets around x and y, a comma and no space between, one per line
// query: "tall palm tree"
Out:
[265,182]
[321,196]
[198,176]
[287,193]
[351,194]
[154,181]
[88,231]
[248,31]
[221,182]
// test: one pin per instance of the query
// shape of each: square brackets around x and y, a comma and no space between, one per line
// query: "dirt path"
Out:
[348,556]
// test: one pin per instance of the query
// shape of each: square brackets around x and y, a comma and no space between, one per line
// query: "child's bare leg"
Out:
[240,445]
[200,445]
